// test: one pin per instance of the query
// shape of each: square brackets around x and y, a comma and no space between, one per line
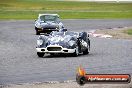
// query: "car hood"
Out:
[49,24]
[59,39]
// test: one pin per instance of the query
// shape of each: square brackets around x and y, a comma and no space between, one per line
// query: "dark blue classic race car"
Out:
[63,42]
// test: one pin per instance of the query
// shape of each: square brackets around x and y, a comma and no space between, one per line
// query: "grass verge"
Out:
[64,15]
[29,9]
[121,33]
[129,31]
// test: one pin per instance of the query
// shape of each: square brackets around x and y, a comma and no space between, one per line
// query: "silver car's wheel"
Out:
[37,33]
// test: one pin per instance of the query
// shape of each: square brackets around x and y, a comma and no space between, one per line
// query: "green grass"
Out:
[129,31]
[63,15]
[29,9]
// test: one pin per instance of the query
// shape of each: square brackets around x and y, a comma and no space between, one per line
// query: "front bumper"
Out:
[53,49]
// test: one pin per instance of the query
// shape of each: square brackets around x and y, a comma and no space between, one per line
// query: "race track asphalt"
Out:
[20,64]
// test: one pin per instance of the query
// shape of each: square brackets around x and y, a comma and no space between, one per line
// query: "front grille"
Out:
[42,49]
[54,48]
[49,30]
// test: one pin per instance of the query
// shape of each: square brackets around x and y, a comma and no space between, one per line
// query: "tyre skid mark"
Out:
[99,35]
[93,34]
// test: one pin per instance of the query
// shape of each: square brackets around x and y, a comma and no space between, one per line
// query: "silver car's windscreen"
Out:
[48,18]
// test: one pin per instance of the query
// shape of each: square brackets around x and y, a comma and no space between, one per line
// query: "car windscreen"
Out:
[71,33]
[57,33]
[48,18]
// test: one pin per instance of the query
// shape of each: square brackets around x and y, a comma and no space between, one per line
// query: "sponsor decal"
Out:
[82,78]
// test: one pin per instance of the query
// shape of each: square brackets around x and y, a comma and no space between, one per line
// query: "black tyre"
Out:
[76,53]
[40,54]
[86,52]
[88,48]
[89,43]
[37,33]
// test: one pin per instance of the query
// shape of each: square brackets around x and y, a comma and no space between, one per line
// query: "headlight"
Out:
[38,25]
[71,42]
[39,42]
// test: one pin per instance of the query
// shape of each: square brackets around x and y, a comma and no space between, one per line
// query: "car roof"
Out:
[49,14]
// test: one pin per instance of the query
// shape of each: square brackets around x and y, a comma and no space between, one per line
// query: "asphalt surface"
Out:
[20,64]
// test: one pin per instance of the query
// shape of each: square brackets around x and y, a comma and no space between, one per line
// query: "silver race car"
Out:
[47,23]
[63,42]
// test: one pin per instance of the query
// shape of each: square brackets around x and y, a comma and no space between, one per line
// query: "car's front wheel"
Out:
[37,32]
[40,54]
[76,53]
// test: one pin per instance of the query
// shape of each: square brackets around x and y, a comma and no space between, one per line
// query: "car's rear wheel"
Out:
[88,48]
[40,54]
[86,51]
